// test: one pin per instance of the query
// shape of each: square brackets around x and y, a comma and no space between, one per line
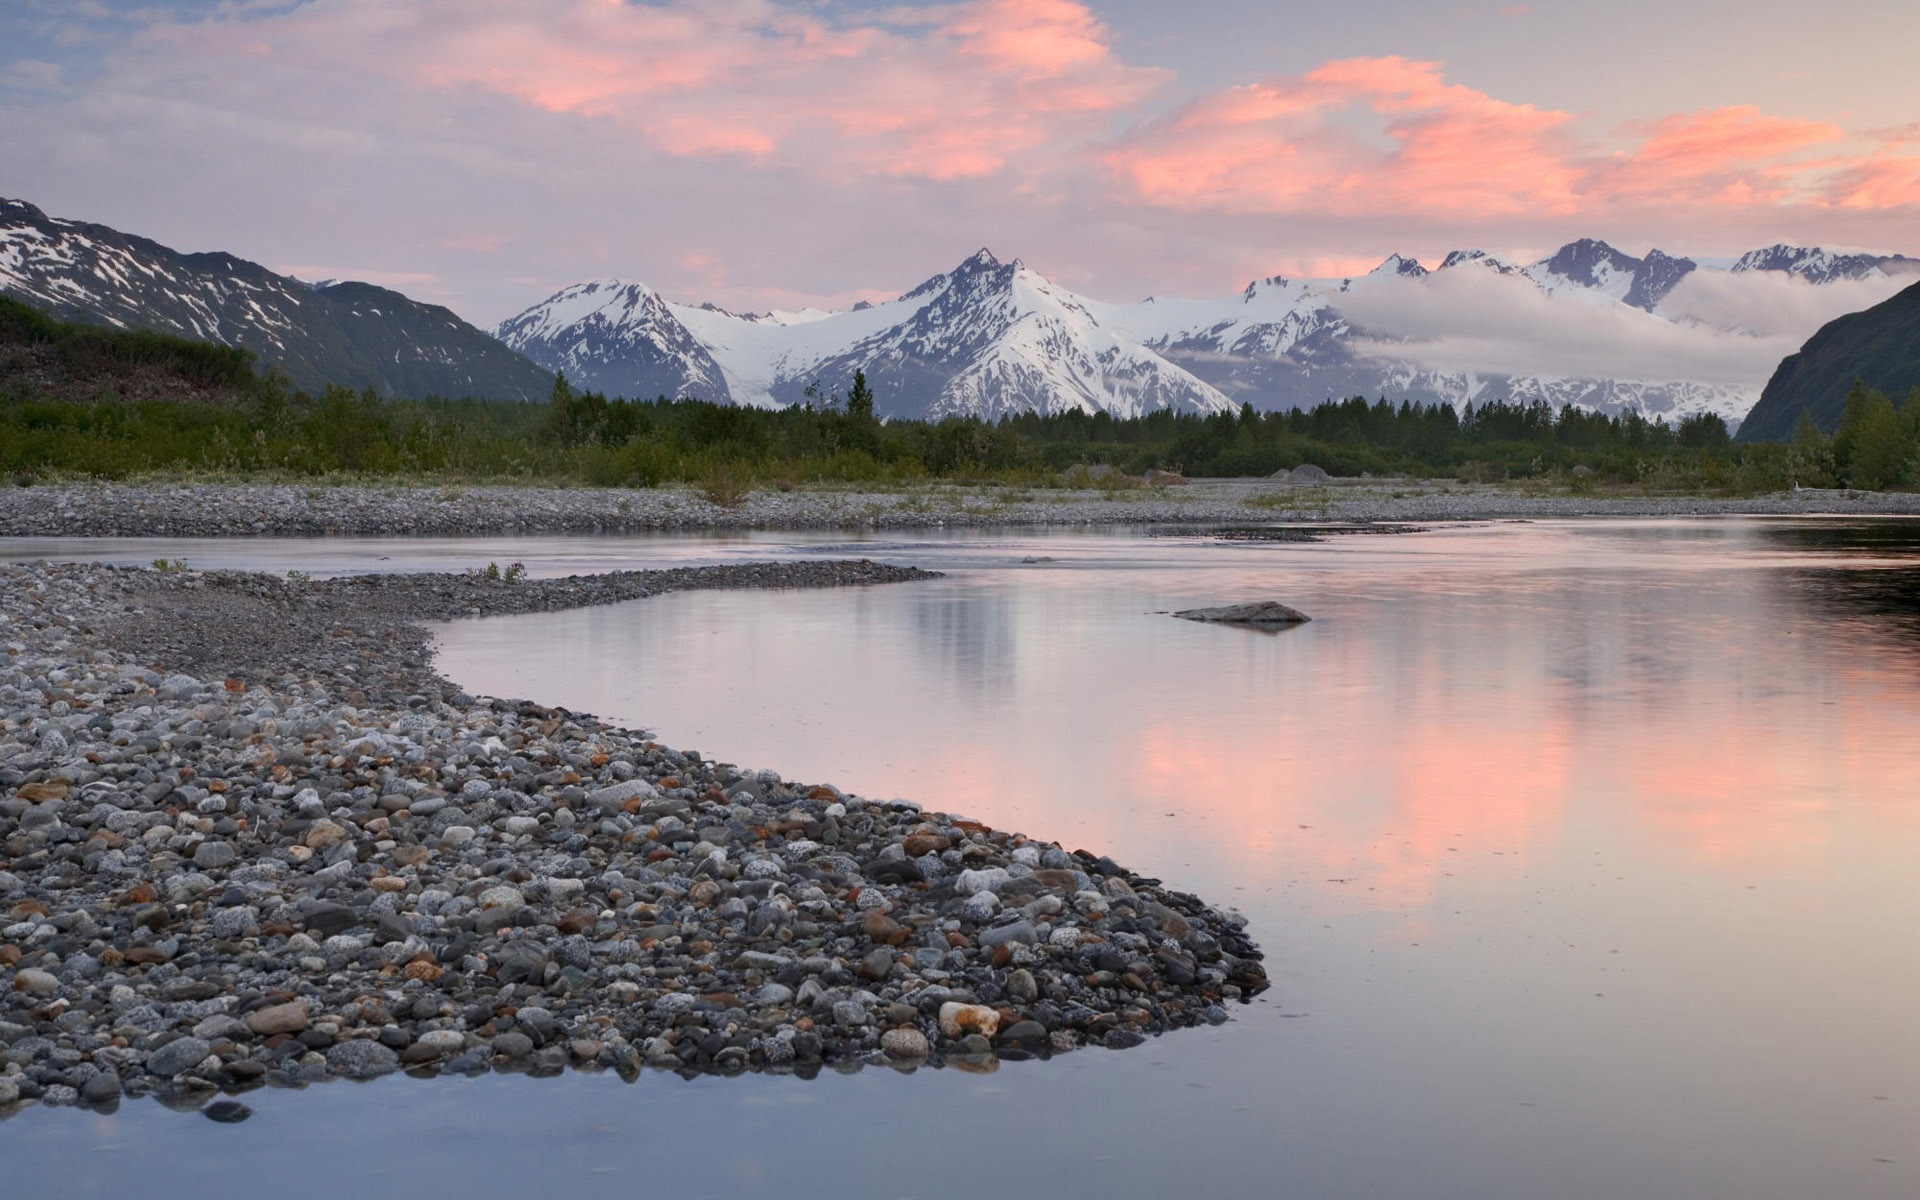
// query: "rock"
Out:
[35,982]
[513,1045]
[1121,1039]
[958,1020]
[361,1059]
[1031,1035]
[324,835]
[226,1112]
[611,799]
[441,1042]
[101,1088]
[327,920]
[178,1056]
[1263,613]
[986,880]
[1021,986]
[1007,935]
[877,965]
[1304,473]
[502,897]
[278,1018]
[1159,478]
[905,1044]
[215,856]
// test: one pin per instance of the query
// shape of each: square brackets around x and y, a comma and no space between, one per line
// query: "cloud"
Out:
[1714,328]
[946,92]
[819,151]
[1383,137]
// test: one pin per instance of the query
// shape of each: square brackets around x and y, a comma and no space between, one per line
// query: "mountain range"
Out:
[985,339]
[354,334]
[992,337]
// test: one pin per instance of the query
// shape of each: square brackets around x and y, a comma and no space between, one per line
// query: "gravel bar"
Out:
[249,837]
[222,510]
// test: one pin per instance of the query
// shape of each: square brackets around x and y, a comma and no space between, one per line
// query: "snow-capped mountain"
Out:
[1824,266]
[354,334]
[618,338]
[984,339]
[989,338]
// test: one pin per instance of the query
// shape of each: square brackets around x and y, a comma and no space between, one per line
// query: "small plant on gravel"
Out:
[299,578]
[170,566]
[722,487]
[515,572]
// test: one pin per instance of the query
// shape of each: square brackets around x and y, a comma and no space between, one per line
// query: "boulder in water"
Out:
[1265,614]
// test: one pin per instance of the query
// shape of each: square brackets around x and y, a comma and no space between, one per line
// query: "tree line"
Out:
[230,419]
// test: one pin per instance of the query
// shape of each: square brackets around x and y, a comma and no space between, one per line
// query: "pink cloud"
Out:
[1365,135]
[949,92]
[1391,137]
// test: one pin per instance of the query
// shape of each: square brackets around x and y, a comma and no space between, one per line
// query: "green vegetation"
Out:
[75,351]
[1876,448]
[218,417]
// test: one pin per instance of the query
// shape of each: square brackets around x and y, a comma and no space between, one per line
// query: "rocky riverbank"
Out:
[249,837]
[225,510]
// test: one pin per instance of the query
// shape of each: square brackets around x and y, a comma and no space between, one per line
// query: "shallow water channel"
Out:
[1585,854]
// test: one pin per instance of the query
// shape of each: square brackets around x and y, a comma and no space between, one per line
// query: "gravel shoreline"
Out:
[248,837]
[224,510]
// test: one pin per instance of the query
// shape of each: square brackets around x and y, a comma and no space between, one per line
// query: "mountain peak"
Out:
[1395,264]
[1588,260]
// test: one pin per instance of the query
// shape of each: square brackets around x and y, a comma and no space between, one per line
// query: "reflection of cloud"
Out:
[1714,327]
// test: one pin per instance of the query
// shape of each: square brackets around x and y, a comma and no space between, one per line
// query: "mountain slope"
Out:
[353,334]
[1879,346]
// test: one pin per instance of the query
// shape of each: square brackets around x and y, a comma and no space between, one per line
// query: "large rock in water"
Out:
[1267,614]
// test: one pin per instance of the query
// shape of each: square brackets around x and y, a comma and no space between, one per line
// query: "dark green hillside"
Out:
[1879,347]
[45,359]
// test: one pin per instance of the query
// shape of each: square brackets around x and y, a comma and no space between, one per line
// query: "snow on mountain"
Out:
[1816,265]
[618,338]
[985,339]
[989,338]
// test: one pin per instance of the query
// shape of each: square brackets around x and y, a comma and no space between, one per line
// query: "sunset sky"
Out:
[762,153]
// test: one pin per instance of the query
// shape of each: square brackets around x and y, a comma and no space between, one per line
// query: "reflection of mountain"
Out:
[971,639]
[1882,604]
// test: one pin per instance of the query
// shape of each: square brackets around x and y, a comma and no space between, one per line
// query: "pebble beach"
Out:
[248,837]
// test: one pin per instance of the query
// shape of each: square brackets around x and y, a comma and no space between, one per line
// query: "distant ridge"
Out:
[355,334]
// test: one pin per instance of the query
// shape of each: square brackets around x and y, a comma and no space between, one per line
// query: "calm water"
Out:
[1586,856]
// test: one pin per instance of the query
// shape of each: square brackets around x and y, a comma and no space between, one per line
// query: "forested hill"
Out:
[354,335]
[1878,347]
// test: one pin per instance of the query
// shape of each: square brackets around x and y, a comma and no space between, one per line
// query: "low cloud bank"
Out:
[1714,328]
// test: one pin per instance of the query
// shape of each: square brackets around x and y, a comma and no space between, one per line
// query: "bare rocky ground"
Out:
[249,837]
[237,509]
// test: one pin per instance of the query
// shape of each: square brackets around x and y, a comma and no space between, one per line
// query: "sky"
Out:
[783,153]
